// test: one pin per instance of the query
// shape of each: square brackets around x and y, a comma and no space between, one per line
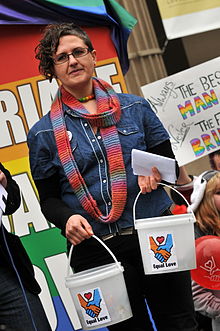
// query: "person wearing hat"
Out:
[205,203]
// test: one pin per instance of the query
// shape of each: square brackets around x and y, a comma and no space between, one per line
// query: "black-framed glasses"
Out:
[64,57]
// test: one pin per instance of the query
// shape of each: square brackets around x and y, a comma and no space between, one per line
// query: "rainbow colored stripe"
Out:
[197,148]
[210,100]
[107,116]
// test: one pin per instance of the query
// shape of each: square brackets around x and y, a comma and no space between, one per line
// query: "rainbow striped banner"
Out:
[25,97]
[83,12]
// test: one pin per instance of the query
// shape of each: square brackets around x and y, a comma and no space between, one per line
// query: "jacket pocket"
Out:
[131,137]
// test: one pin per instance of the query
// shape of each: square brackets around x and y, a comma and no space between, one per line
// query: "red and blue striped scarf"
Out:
[108,114]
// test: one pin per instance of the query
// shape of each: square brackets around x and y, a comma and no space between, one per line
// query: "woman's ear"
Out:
[93,53]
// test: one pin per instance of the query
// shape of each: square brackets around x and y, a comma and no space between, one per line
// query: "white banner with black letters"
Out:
[187,104]
[186,17]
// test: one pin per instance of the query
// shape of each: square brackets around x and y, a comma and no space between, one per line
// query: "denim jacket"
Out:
[139,128]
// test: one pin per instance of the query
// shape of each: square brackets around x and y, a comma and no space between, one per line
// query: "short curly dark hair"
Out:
[50,41]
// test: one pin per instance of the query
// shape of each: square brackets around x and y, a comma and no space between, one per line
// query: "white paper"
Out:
[191,119]
[142,163]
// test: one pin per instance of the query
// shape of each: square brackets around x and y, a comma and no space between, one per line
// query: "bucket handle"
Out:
[104,245]
[139,193]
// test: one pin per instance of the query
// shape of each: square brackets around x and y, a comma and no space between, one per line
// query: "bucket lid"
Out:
[93,275]
[170,220]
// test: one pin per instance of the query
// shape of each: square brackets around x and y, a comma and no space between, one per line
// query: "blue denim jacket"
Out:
[138,128]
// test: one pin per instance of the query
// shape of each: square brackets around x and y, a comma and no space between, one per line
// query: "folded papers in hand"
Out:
[142,163]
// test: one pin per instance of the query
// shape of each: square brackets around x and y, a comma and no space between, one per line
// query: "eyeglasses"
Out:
[64,57]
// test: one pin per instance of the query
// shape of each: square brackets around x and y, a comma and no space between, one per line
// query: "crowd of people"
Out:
[80,158]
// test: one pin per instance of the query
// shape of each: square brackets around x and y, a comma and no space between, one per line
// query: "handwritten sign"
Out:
[188,105]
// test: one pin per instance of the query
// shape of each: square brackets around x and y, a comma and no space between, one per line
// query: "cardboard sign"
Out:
[187,104]
[200,15]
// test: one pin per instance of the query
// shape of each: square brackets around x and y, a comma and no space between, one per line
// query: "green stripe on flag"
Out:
[126,19]
[77,3]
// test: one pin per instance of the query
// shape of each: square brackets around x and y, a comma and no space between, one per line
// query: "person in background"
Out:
[181,206]
[80,158]
[16,269]
[185,184]
[214,159]
[182,190]
[205,202]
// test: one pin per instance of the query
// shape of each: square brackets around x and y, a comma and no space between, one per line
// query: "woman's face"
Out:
[76,73]
[217,197]
[216,160]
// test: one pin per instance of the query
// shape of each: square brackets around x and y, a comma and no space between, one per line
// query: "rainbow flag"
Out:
[82,12]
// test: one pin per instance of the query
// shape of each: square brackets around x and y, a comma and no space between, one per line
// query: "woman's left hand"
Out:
[149,183]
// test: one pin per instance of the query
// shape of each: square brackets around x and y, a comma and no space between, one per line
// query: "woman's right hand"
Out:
[78,229]
[149,183]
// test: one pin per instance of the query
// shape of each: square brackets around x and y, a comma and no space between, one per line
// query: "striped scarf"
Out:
[108,114]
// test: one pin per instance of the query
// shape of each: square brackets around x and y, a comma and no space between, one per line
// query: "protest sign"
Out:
[200,15]
[187,103]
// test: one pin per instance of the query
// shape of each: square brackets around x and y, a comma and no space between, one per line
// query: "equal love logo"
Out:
[93,307]
[162,251]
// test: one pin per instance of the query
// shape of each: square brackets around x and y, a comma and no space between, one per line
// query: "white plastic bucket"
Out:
[167,243]
[99,294]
